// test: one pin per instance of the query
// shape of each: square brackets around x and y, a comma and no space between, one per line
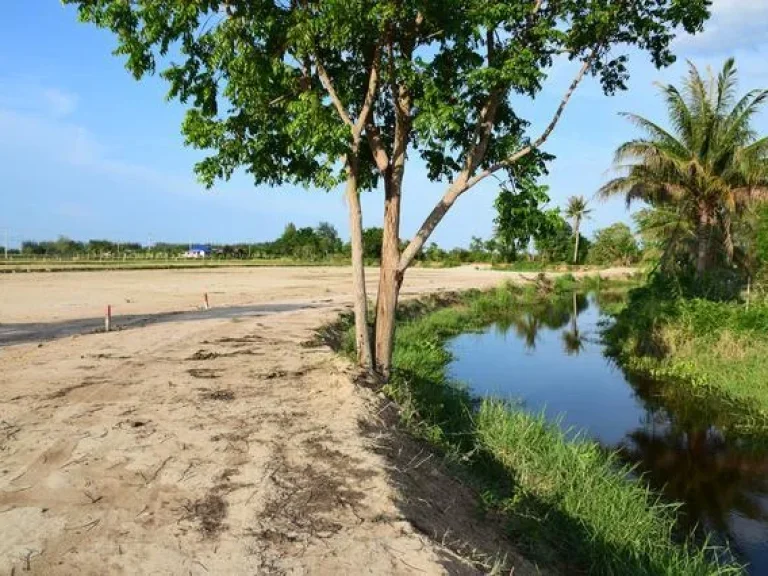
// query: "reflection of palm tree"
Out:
[527,327]
[697,467]
[554,313]
[573,341]
[684,455]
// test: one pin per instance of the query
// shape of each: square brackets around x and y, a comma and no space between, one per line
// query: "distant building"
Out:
[197,251]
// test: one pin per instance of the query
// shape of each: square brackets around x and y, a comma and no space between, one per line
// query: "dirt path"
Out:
[39,297]
[220,446]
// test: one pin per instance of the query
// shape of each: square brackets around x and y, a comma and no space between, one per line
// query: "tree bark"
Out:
[362,338]
[702,243]
[576,226]
[390,278]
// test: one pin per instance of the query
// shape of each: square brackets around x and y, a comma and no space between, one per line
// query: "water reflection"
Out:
[700,468]
[550,357]
[573,341]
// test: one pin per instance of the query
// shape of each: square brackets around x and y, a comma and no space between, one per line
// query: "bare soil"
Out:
[223,445]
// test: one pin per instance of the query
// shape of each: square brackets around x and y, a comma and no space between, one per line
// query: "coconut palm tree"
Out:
[708,166]
[577,211]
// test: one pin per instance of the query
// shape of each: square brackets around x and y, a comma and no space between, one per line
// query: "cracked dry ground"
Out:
[219,447]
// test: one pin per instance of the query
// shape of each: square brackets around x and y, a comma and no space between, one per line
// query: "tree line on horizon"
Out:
[615,244]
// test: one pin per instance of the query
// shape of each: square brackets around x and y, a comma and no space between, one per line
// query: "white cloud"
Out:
[30,96]
[734,25]
[60,103]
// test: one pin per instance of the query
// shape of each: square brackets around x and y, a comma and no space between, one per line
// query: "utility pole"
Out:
[6,243]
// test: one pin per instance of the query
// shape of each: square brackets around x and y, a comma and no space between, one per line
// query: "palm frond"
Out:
[726,86]
[655,132]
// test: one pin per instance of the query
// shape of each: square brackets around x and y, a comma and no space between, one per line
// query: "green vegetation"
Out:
[307,244]
[520,216]
[558,244]
[703,317]
[706,174]
[614,245]
[566,501]
[718,348]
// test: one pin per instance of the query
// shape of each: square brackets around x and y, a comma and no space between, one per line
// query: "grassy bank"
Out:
[567,502]
[718,349]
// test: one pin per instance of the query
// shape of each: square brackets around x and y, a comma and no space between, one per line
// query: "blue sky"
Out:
[88,152]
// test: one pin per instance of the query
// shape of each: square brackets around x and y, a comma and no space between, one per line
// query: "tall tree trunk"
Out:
[576,226]
[390,274]
[728,237]
[362,338]
[702,242]
[390,278]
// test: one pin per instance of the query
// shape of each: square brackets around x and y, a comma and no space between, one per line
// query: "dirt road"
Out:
[216,445]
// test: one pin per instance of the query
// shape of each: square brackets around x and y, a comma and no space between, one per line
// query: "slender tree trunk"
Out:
[576,226]
[728,238]
[390,278]
[362,338]
[391,274]
[702,243]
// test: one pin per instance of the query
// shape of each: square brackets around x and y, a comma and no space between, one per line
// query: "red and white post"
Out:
[108,318]
[206,305]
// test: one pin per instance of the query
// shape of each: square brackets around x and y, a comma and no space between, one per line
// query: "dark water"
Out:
[550,358]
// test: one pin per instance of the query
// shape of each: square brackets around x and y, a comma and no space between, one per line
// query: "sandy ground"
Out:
[224,445]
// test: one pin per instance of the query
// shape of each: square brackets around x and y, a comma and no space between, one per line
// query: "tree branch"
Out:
[461,185]
[326,81]
[377,146]
[370,95]
[544,135]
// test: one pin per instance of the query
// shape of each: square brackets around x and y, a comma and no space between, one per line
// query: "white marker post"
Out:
[206,306]
[108,319]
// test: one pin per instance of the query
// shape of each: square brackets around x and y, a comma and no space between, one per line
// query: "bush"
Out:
[614,245]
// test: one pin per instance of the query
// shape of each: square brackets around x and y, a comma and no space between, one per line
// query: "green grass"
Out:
[717,349]
[534,266]
[566,502]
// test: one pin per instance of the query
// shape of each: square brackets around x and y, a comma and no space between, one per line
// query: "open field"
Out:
[219,444]
[41,297]
[20,264]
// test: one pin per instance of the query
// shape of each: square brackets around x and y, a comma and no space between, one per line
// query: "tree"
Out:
[519,217]
[321,91]
[328,238]
[614,245]
[372,242]
[477,250]
[554,244]
[577,211]
[707,168]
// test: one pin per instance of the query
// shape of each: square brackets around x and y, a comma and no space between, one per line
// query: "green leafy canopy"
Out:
[247,70]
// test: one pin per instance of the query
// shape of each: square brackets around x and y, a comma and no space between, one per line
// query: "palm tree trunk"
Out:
[702,243]
[576,226]
[728,237]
